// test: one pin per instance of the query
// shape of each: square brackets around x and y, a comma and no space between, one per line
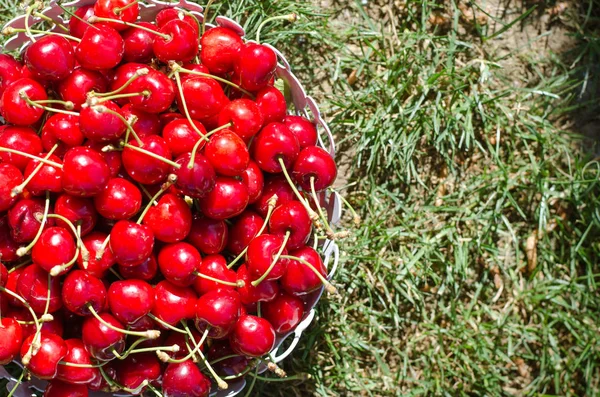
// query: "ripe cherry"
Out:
[78,27]
[96,267]
[76,354]
[261,253]
[218,310]
[78,84]
[160,92]
[183,341]
[255,66]
[44,364]
[146,271]
[220,48]
[61,129]
[284,312]
[101,47]
[304,129]
[85,173]
[170,220]
[272,105]
[291,217]
[50,58]
[185,379]
[102,123]
[243,230]
[130,300]
[273,144]
[11,285]
[137,368]
[22,139]
[181,137]
[245,117]
[82,290]
[314,162]
[10,177]
[214,266]
[204,97]
[173,304]
[120,199]
[122,10]
[101,340]
[143,168]
[167,14]
[55,248]
[77,210]
[228,199]
[11,338]
[227,153]
[131,243]
[208,235]
[10,70]
[179,262]
[57,388]
[143,123]
[198,181]
[8,246]
[123,75]
[264,292]
[15,103]
[25,219]
[35,286]
[300,279]
[182,44]
[252,336]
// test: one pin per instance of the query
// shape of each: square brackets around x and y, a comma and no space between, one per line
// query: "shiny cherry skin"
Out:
[112,158]
[182,45]
[50,58]
[146,271]
[170,220]
[160,89]
[10,177]
[11,285]
[99,340]
[10,70]
[204,97]
[298,278]
[229,198]
[11,338]
[291,217]
[254,180]
[145,123]
[275,142]
[198,181]
[183,341]
[85,173]
[168,14]
[121,75]
[33,287]
[131,243]
[100,48]
[209,236]
[80,290]
[130,300]
[255,66]
[181,136]
[272,105]
[120,199]
[185,379]
[230,366]
[227,153]
[24,219]
[314,162]
[23,139]
[252,336]
[77,210]
[245,115]
[172,303]
[61,129]
[136,368]
[178,262]
[76,354]
[93,243]
[44,364]
[15,109]
[284,312]
[303,128]
[220,48]
[264,292]
[143,168]
[243,230]
[78,84]
[214,266]
[8,246]
[78,27]
[112,9]
[196,67]
[102,123]
[260,254]
[57,388]
[218,310]
[55,247]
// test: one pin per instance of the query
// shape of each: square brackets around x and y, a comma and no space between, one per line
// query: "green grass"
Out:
[459,163]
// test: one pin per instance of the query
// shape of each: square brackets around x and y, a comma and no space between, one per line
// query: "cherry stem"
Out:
[95,18]
[36,320]
[31,156]
[59,269]
[104,109]
[165,324]
[116,386]
[76,16]
[145,93]
[152,334]
[218,360]
[197,145]
[77,365]
[153,155]
[249,392]
[10,30]
[153,389]
[184,102]
[138,73]
[356,218]
[220,382]
[19,189]
[330,234]
[71,226]
[20,265]
[118,10]
[272,203]
[100,252]
[27,15]
[328,286]
[205,13]
[24,250]
[249,368]
[17,383]
[274,261]
[312,214]
[238,284]
[48,19]
[117,275]
[170,180]
[289,17]
[211,76]
[39,104]
[165,357]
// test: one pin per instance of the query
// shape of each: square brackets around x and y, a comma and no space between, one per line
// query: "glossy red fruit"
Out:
[252,336]
[255,66]
[78,84]
[10,177]
[55,247]
[229,198]
[131,243]
[291,217]
[77,27]
[182,45]
[112,158]
[120,199]
[275,142]
[13,106]
[25,219]
[181,136]
[185,379]
[33,285]
[272,105]
[264,292]
[254,180]
[143,123]
[11,338]
[8,246]
[146,271]
[63,130]
[173,304]
[77,210]
[245,116]
[137,368]
[227,153]
[204,97]
[170,220]
[208,235]
[220,48]
[76,354]
[168,14]
[178,262]
[22,139]
[261,252]
[298,278]
[143,168]
[47,179]
[160,90]
[130,300]
[101,123]
[80,290]
[121,75]
[218,310]
[50,58]
[100,48]
[198,181]
[314,162]
[243,230]
[57,388]
[122,10]
[10,70]
[304,130]
[100,340]
[214,266]
[93,243]
[11,285]
[44,364]
[183,341]
[284,312]
[85,173]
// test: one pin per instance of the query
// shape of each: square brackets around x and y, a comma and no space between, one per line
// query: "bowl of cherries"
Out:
[166,202]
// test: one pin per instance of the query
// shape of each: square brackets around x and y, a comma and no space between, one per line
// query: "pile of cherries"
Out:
[160,210]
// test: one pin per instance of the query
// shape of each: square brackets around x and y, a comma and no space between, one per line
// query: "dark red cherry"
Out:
[10,177]
[145,123]
[183,341]
[122,10]
[208,235]
[220,48]
[168,14]
[227,367]
[178,262]
[243,230]
[77,27]
[11,285]
[252,336]
[77,210]
[181,136]
[76,354]
[11,338]
[160,92]
[173,304]
[143,168]
[264,292]
[33,285]
[227,153]
[112,158]
[275,142]
[170,220]
[80,290]
[100,48]
[131,243]
[100,340]
[284,312]
[255,66]
[185,379]
[76,87]
[8,246]
[13,105]
[245,116]
[25,219]
[167,117]
[195,67]
[198,181]
[182,44]
[101,123]
[122,75]
[146,271]
[261,252]
[314,162]
[85,173]
[57,388]
[298,278]
[50,58]
[130,300]
[204,97]
[51,327]
[44,364]
[254,180]
[93,243]
[22,139]
[304,129]
[120,199]
[218,310]
[271,103]
[137,368]
[214,266]
[55,247]
[228,199]
[10,70]
[61,129]
[291,217]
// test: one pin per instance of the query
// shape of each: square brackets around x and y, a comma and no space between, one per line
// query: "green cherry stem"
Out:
[175,67]
[197,145]
[95,18]
[33,157]
[166,358]
[165,324]
[138,73]
[212,76]
[24,250]
[52,21]
[220,382]
[151,334]
[312,214]
[289,17]
[170,180]
[39,104]
[10,30]
[328,286]
[17,383]
[119,10]
[274,261]
[19,189]
[104,109]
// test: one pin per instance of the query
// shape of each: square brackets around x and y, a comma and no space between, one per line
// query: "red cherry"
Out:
[131,243]
[145,123]
[25,218]
[227,153]
[77,210]
[208,235]
[185,379]
[13,102]
[178,262]
[122,75]
[22,139]
[182,44]
[57,388]
[101,123]
[245,116]
[170,220]
[145,169]
[146,271]
[218,310]
[10,70]
[271,103]
[195,67]
[80,290]
[220,48]
[112,158]
[204,97]
[173,304]
[214,266]
[304,129]
[130,300]
[100,48]
[264,292]
[260,254]
[198,181]
[243,230]
[85,173]
[298,278]
[76,354]
[181,136]
[120,199]
[93,243]
[167,14]
[137,368]
[183,341]
[10,177]
[252,336]
[77,85]
[61,129]
[11,285]
[254,180]
[11,338]
[284,312]
[291,217]
[228,199]
[44,364]
[273,143]
[100,340]
[8,246]
[314,162]
[55,247]
[50,58]
[160,89]
[255,66]
[33,285]
[123,10]
[77,27]
[230,366]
